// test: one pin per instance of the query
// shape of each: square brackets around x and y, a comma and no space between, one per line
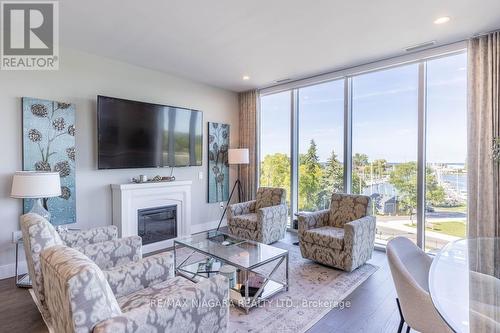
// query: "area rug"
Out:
[314,291]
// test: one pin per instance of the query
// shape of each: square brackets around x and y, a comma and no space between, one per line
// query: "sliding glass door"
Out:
[384,146]
[397,134]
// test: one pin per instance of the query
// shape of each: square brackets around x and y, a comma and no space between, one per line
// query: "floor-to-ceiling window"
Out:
[384,146]
[321,147]
[446,151]
[382,125]
[275,124]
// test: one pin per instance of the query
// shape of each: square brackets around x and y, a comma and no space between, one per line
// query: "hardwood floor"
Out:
[18,312]
[373,306]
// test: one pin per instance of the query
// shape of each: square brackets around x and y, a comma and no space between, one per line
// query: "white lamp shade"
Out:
[33,184]
[238,156]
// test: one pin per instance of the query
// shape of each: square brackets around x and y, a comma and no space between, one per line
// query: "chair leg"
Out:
[408,328]
[402,320]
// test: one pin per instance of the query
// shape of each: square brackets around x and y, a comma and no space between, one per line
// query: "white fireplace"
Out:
[128,199]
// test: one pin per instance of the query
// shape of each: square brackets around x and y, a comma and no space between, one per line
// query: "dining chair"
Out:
[410,271]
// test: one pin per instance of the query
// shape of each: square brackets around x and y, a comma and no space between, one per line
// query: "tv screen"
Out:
[134,134]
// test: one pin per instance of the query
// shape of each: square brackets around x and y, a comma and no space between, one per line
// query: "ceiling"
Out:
[219,41]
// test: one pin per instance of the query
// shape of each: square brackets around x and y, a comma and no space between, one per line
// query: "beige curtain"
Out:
[483,181]
[483,126]
[248,139]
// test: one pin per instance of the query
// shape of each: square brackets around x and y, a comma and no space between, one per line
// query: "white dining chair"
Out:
[410,271]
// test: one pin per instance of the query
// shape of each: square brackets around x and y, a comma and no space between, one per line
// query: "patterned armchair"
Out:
[263,220]
[84,301]
[342,236]
[102,246]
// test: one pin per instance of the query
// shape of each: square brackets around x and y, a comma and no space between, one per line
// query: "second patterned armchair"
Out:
[262,220]
[342,236]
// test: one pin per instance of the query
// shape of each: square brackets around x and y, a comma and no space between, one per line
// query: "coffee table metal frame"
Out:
[269,288]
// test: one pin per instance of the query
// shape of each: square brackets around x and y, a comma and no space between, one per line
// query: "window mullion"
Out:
[421,164]
[348,135]
[294,152]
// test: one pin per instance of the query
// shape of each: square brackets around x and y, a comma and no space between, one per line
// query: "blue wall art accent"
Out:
[49,145]
[218,167]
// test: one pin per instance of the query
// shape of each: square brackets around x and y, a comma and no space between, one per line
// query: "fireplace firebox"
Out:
[157,224]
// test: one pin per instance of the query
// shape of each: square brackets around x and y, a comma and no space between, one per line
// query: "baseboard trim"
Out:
[9,270]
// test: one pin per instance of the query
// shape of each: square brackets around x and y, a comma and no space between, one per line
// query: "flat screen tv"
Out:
[134,134]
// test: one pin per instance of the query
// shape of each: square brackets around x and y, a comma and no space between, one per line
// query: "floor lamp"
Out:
[236,156]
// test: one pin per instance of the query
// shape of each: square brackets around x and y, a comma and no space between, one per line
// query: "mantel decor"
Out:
[49,145]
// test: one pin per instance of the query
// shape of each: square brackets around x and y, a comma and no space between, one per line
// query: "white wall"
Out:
[80,78]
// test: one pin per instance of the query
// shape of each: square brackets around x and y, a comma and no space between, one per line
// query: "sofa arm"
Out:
[273,221]
[202,307]
[81,238]
[79,296]
[273,215]
[126,279]
[311,220]
[115,252]
[241,208]
[359,239]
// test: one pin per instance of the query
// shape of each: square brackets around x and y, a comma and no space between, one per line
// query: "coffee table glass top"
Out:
[239,252]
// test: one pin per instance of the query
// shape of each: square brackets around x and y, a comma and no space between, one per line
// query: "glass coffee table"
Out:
[255,271]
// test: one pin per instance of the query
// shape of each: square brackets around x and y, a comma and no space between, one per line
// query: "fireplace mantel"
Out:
[129,198]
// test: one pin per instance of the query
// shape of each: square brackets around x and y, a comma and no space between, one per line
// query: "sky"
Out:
[384,115]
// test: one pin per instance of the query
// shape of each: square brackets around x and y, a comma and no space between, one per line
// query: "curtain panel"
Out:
[248,139]
[483,127]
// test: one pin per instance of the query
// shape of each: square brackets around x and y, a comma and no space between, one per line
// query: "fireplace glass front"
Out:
[157,224]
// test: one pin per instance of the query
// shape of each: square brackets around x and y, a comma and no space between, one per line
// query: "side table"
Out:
[22,280]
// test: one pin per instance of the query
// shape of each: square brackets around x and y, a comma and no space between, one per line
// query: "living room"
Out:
[250,167]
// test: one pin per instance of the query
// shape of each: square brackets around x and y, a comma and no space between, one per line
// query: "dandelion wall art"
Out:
[49,145]
[218,167]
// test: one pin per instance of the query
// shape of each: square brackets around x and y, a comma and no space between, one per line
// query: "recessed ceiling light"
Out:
[246,77]
[442,20]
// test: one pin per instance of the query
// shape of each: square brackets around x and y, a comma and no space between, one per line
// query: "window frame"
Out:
[347,76]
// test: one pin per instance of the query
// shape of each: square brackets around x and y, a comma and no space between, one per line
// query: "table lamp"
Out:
[36,185]
[236,156]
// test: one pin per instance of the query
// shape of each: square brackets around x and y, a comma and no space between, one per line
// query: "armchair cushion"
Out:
[330,237]
[81,238]
[128,278]
[247,221]
[270,196]
[176,305]
[347,207]
[114,252]
[163,291]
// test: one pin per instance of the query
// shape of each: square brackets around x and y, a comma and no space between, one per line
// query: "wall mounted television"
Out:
[134,134]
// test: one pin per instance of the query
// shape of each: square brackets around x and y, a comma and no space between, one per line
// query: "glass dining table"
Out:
[464,284]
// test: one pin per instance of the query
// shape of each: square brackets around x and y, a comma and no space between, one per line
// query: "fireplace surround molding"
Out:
[129,198]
